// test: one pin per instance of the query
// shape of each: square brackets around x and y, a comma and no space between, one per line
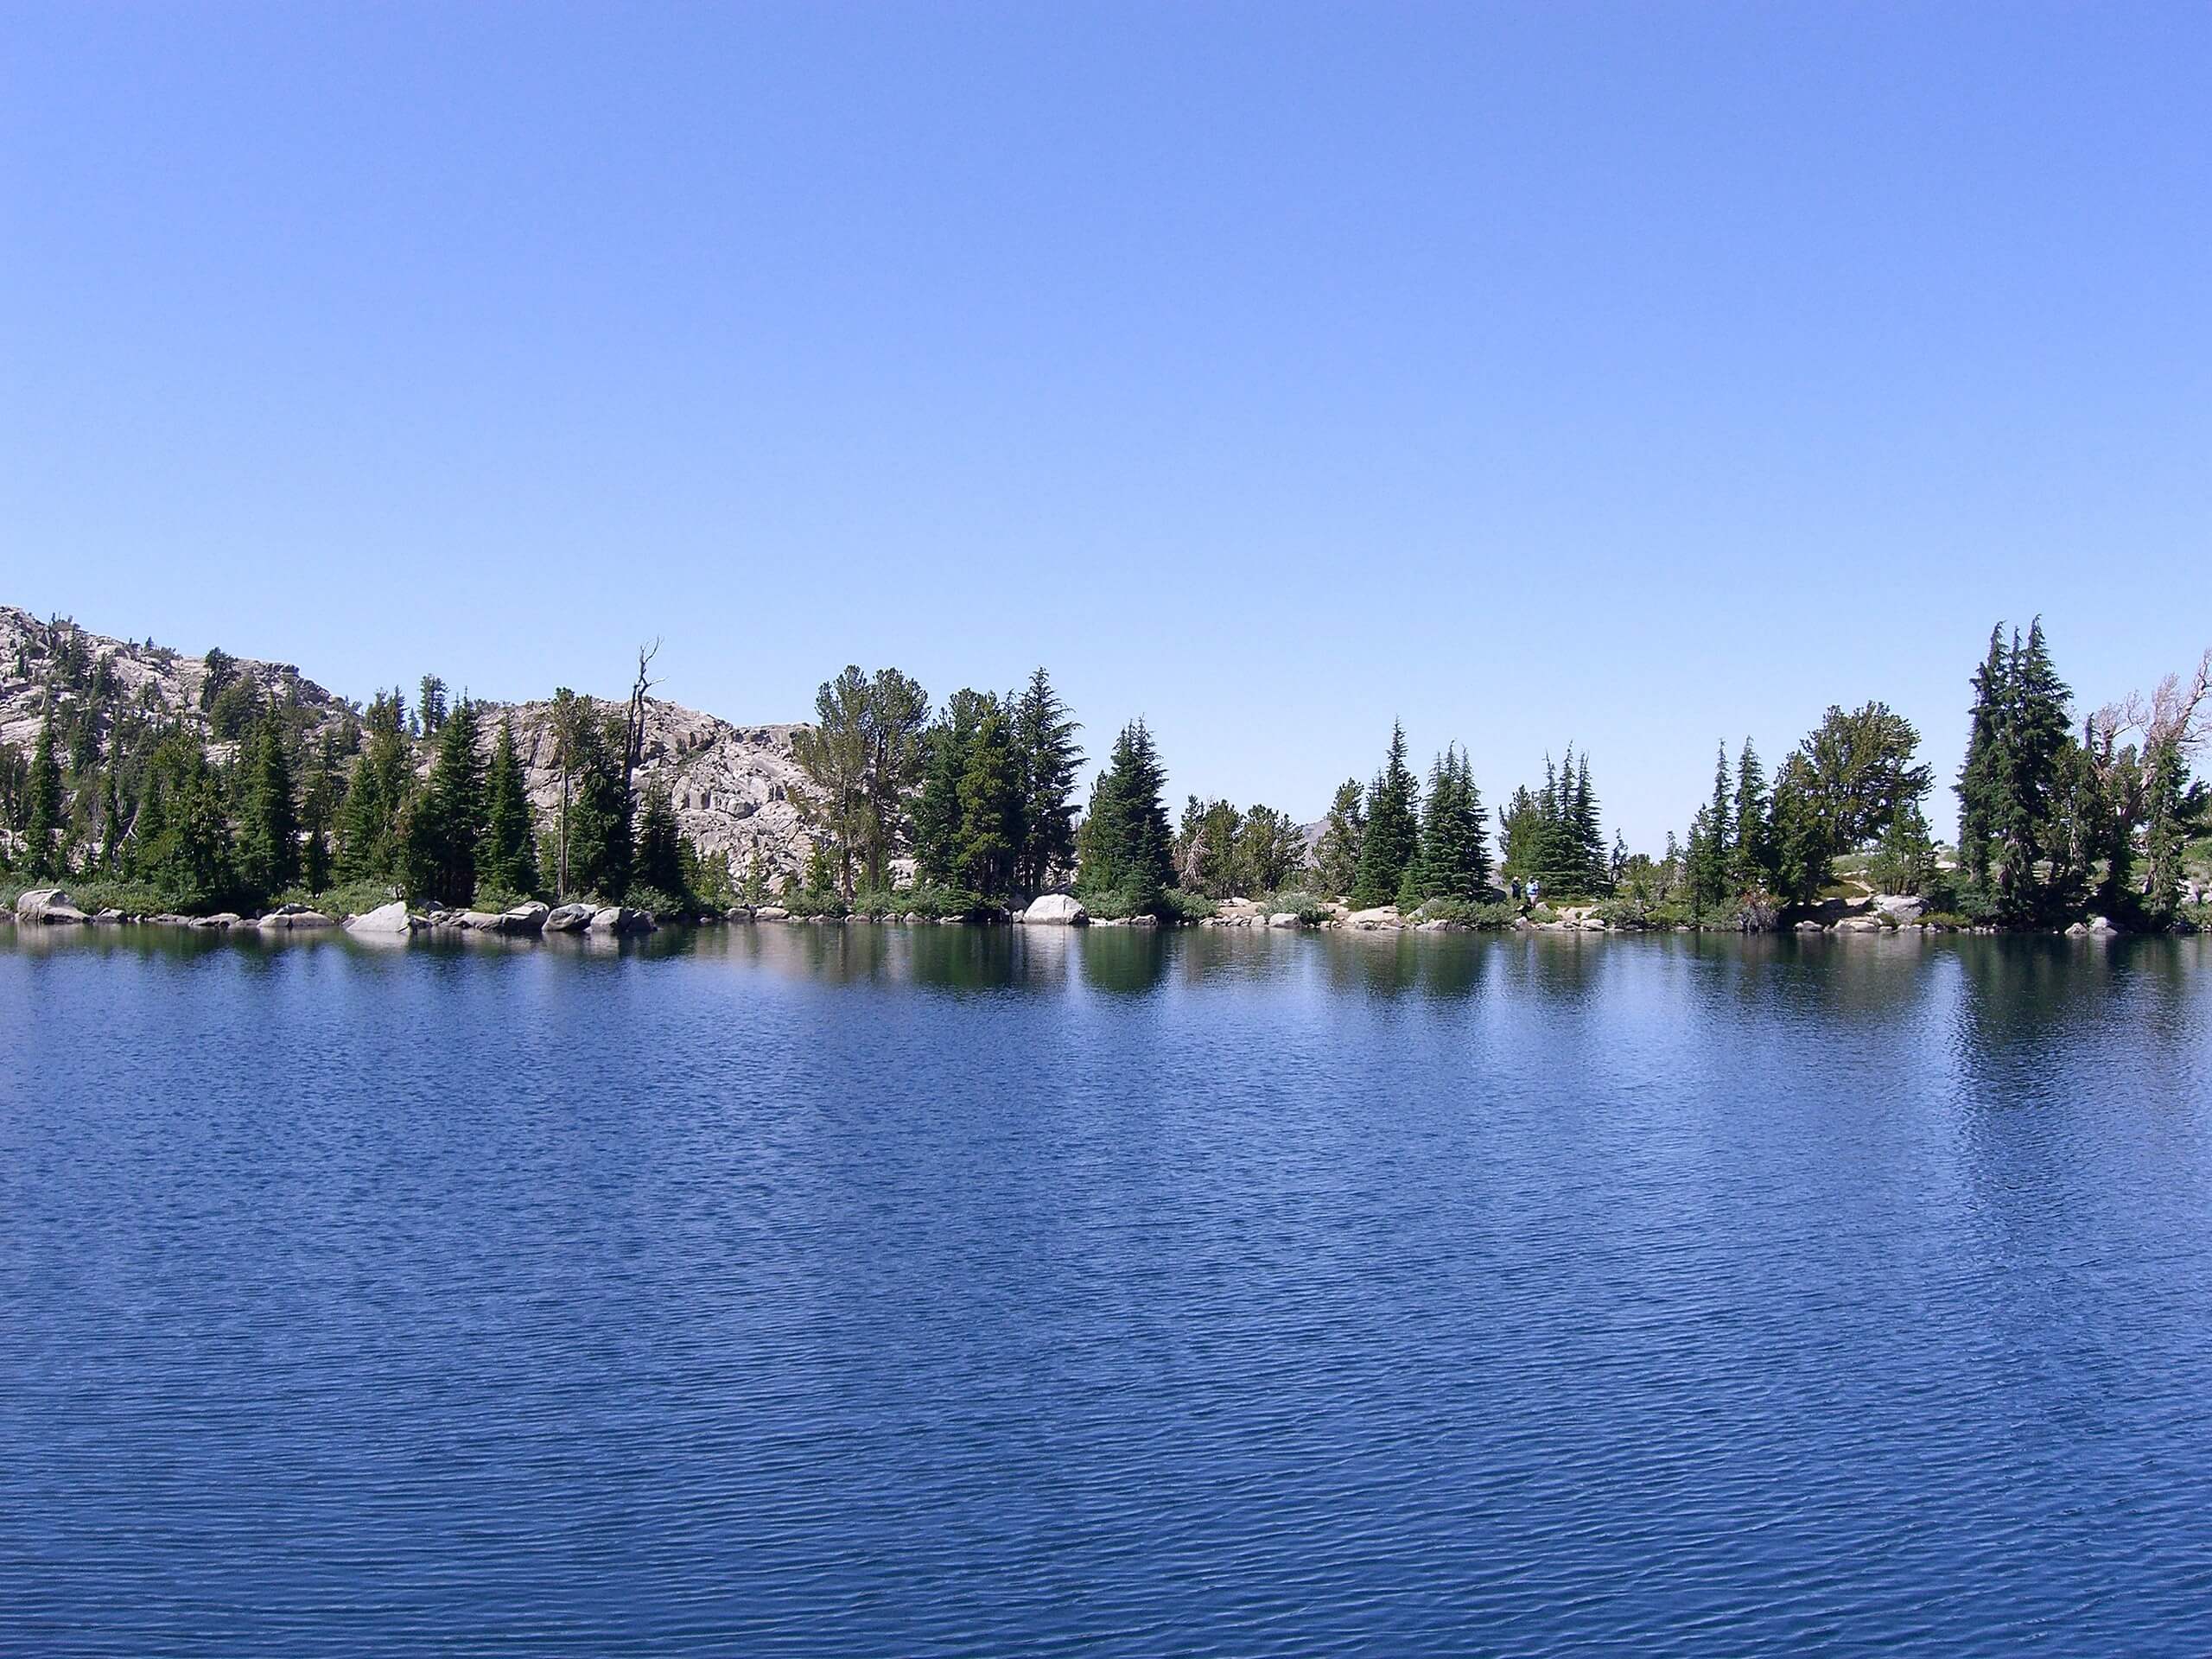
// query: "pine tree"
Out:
[1454,861]
[1336,858]
[448,823]
[1798,836]
[382,783]
[1754,852]
[507,860]
[1124,848]
[2033,741]
[1906,861]
[183,847]
[1589,832]
[111,822]
[596,836]
[659,866]
[42,820]
[1978,785]
[1711,855]
[937,813]
[430,701]
[1388,848]
[268,844]
[1050,759]
[991,795]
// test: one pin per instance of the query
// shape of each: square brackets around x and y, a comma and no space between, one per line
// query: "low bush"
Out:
[1179,906]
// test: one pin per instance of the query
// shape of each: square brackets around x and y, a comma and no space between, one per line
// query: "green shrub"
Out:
[661,905]
[1466,913]
[1180,906]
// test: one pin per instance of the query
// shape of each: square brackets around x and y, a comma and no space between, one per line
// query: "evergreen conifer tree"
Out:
[937,813]
[1388,848]
[659,866]
[446,824]
[42,817]
[1754,852]
[507,859]
[2032,746]
[1337,859]
[268,844]
[1124,848]
[1050,759]
[990,794]
[1977,785]
[382,781]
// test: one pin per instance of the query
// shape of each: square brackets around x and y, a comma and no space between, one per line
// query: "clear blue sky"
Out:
[1637,375]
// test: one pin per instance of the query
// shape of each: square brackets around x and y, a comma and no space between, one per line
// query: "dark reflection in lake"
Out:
[941,1291]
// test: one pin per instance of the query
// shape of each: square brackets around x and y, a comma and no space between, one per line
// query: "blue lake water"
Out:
[956,1292]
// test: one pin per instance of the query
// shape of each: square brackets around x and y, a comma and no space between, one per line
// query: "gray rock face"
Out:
[478,921]
[386,920]
[568,918]
[772,913]
[48,907]
[1283,919]
[217,922]
[285,918]
[621,919]
[1056,909]
[528,917]
[1809,927]
[1859,925]
[1903,906]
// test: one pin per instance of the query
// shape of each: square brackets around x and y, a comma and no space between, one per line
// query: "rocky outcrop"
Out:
[1283,919]
[48,907]
[772,913]
[1382,916]
[286,918]
[733,787]
[1056,909]
[568,918]
[385,921]
[620,920]
[526,919]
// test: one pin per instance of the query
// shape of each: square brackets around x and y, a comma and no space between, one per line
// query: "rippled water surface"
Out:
[952,1292]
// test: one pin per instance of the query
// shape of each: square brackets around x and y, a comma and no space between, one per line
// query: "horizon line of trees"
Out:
[976,798]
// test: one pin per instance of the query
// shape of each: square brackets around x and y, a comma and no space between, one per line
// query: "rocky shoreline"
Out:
[53,907]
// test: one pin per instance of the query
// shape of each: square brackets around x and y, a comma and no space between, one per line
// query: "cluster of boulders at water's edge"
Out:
[1879,913]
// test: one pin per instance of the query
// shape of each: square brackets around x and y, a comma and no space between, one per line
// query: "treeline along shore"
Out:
[137,785]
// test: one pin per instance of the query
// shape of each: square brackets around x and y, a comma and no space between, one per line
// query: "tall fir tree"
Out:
[382,781]
[507,859]
[1050,759]
[42,816]
[447,825]
[1753,851]
[990,795]
[659,866]
[1124,848]
[2033,741]
[1979,783]
[936,811]
[1455,859]
[1393,837]
[269,831]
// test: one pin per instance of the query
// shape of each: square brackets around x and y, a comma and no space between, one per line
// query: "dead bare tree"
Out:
[634,724]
